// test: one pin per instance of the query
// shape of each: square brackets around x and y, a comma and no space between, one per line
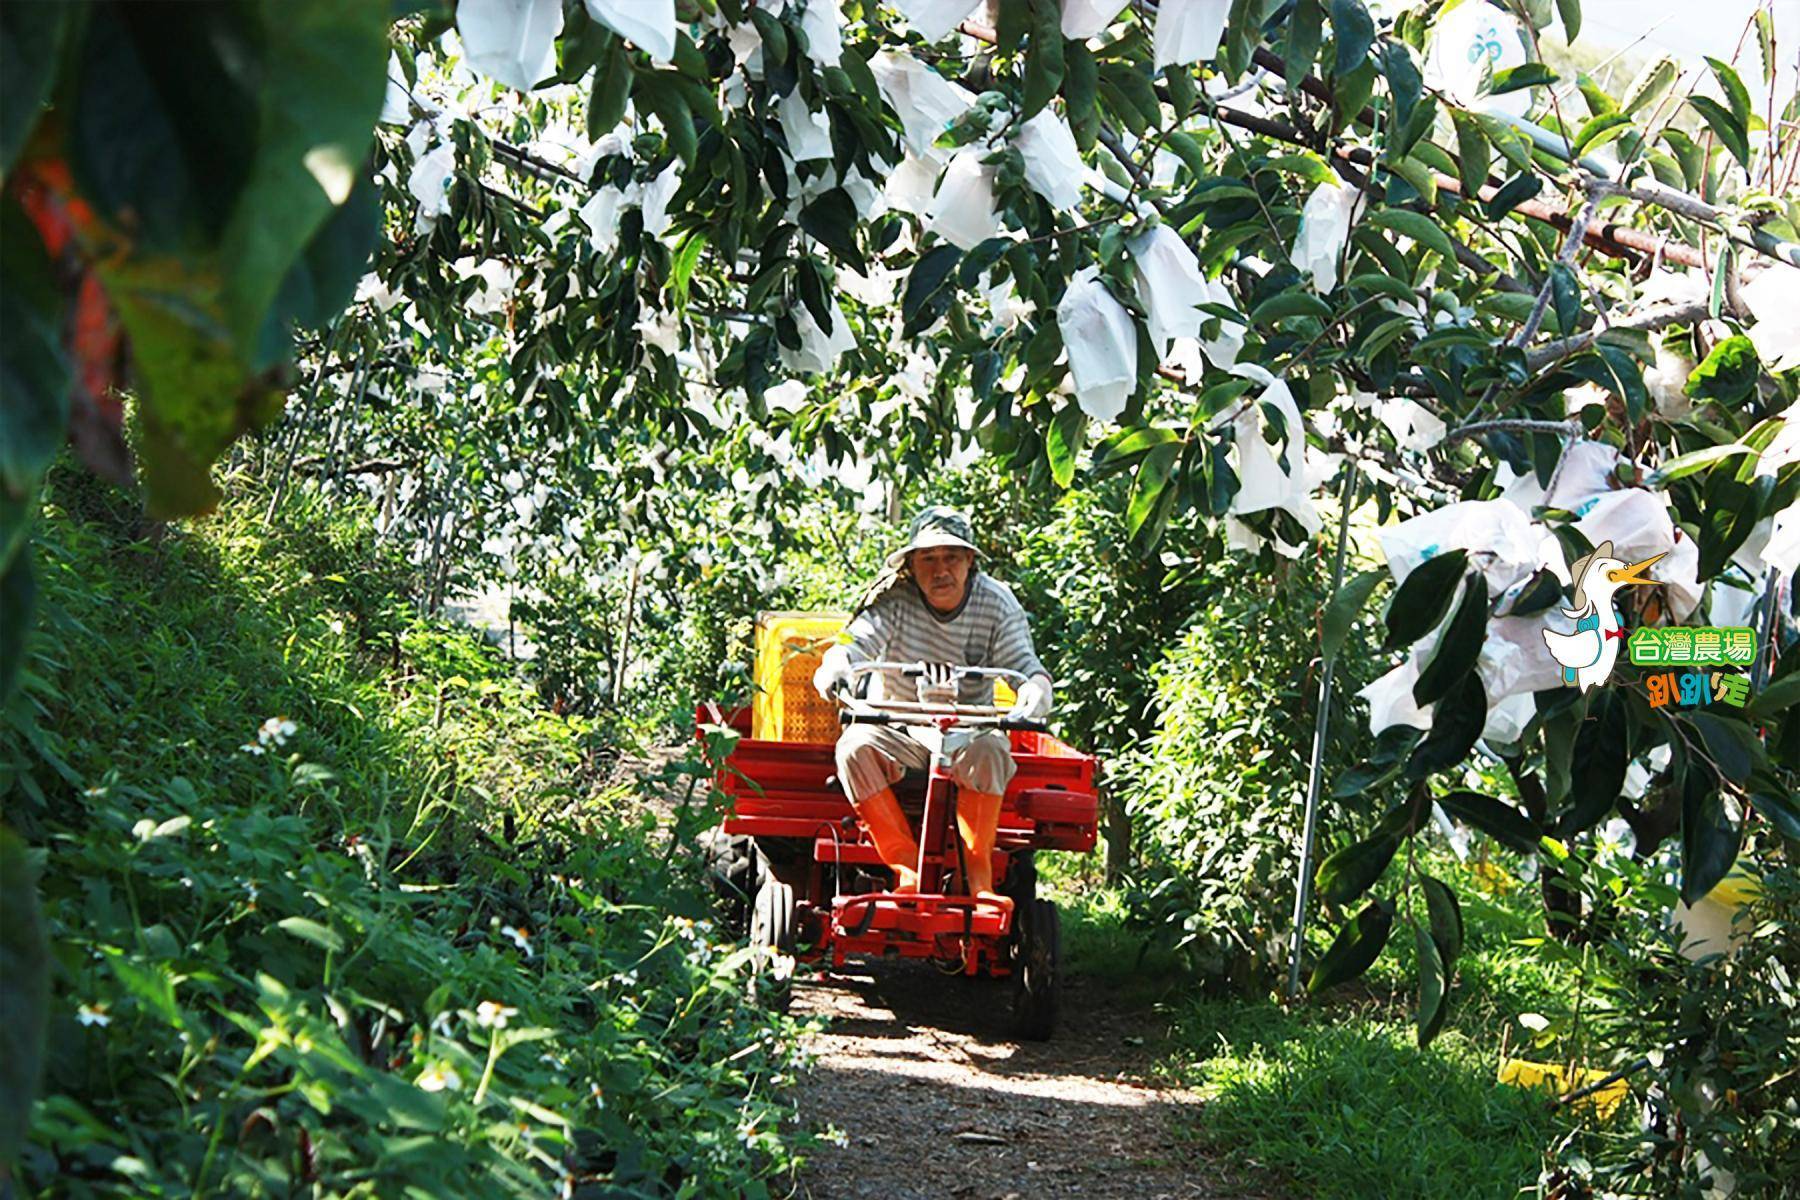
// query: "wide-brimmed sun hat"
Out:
[935,525]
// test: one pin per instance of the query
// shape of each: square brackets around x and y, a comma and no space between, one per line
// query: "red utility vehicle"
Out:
[815,890]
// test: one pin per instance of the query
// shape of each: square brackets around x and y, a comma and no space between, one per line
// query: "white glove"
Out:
[937,685]
[833,672]
[1033,703]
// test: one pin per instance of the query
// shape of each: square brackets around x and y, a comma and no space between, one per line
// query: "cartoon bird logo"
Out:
[1588,653]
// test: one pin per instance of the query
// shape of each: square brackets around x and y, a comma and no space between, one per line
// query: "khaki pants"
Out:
[872,757]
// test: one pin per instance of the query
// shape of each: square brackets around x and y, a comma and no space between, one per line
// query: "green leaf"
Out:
[1570,12]
[1736,94]
[1422,599]
[1495,818]
[658,94]
[1455,728]
[24,990]
[1446,920]
[1342,611]
[1387,285]
[308,930]
[321,88]
[1775,698]
[1602,751]
[1350,93]
[18,603]
[1354,30]
[832,220]
[34,379]
[1779,807]
[1599,103]
[1730,744]
[1460,645]
[925,298]
[1565,297]
[1356,947]
[1063,445]
[1304,34]
[1292,303]
[1731,132]
[1765,45]
[214,170]
[612,90]
[1683,465]
[1432,1009]
[1148,485]
[1352,870]
[150,983]
[774,36]
[324,280]
[1043,60]
[681,269]
[1472,156]
[1402,75]
[1418,227]
[1729,512]
[1709,837]
[1650,85]
[1081,87]
[31,37]
[1728,374]
[1597,131]
[1512,144]
[1525,75]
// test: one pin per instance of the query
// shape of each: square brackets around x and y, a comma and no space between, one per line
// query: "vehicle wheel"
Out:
[1037,970]
[1020,884]
[734,872]
[772,919]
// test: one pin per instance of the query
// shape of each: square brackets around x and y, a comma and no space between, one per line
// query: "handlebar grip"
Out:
[1023,726]
[847,717]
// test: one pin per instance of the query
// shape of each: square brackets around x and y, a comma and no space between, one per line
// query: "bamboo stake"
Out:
[618,682]
[1316,769]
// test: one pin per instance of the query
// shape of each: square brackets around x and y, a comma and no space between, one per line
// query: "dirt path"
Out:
[937,1101]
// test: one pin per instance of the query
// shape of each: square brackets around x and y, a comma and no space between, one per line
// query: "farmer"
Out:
[934,605]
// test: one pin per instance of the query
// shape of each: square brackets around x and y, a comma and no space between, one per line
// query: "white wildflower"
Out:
[520,938]
[490,1014]
[93,1014]
[439,1077]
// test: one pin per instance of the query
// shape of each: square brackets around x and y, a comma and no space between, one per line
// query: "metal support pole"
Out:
[1315,772]
[1765,652]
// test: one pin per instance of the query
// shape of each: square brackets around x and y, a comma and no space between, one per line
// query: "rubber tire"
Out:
[772,920]
[1037,970]
[734,868]
[1020,884]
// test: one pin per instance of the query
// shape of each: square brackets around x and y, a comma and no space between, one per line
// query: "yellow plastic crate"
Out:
[788,648]
[1559,1080]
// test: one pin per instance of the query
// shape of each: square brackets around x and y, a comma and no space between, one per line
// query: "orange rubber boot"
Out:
[978,821]
[893,837]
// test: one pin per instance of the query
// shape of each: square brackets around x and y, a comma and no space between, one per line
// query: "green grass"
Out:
[1340,1102]
[1333,1098]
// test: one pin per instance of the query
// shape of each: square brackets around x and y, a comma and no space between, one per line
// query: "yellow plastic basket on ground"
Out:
[1559,1081]
[788,648]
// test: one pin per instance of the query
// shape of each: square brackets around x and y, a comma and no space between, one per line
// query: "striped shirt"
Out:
[989,630]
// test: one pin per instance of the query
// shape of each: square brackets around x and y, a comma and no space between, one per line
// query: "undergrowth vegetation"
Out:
[336,906]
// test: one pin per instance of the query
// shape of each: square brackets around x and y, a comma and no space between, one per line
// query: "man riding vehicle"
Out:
[934,605]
